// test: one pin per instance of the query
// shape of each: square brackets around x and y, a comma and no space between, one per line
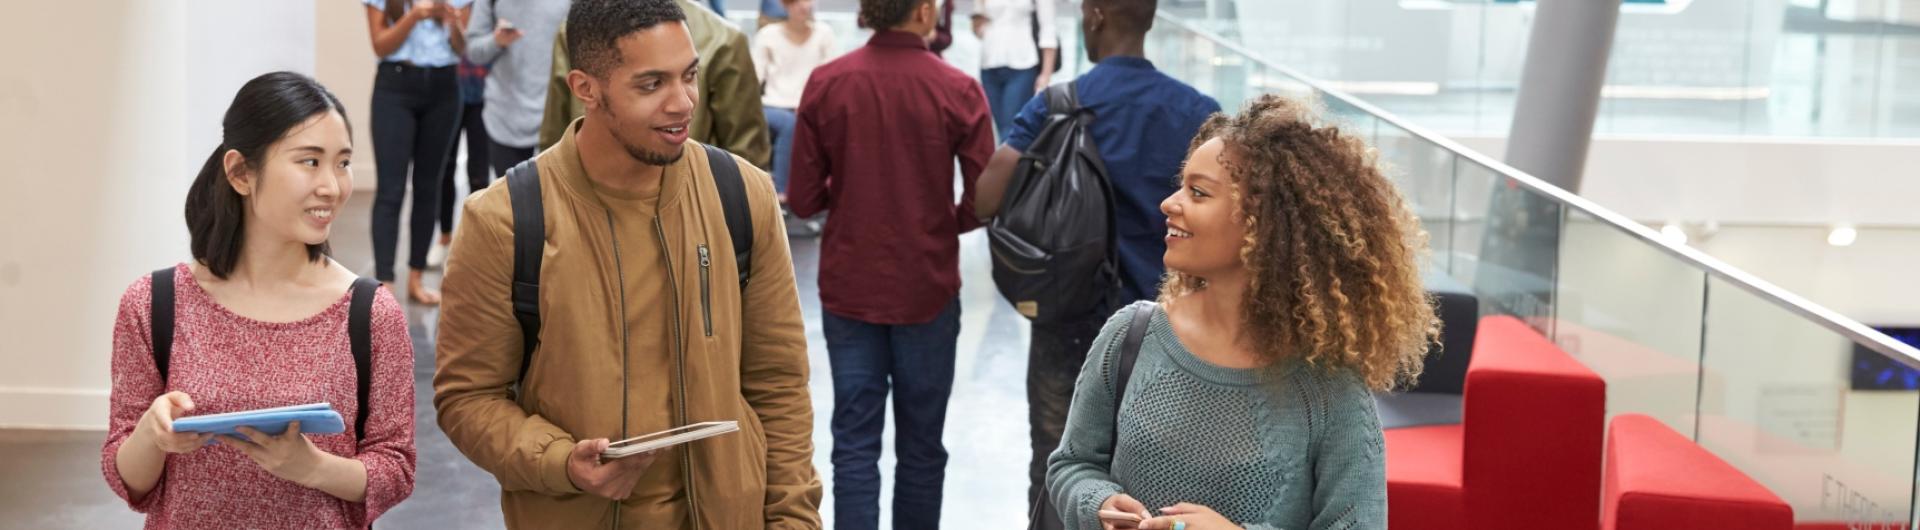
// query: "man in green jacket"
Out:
[729,116]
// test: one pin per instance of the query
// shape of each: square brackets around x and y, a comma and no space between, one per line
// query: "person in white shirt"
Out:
[1018,53]
[784,54]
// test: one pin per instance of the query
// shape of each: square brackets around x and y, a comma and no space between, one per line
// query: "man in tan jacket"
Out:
[646,324]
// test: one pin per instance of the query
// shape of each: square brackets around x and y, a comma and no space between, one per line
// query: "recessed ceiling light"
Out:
[1674,233]
[1842,236]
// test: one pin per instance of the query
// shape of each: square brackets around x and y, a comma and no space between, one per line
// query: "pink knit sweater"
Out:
[228,362]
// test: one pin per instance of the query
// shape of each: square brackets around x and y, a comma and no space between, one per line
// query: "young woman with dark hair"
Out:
[259,319]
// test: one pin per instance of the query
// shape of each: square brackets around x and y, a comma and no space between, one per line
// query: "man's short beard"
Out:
[651,158]
[635,150]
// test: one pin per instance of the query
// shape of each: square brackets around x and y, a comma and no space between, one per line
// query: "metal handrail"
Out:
[1834,321]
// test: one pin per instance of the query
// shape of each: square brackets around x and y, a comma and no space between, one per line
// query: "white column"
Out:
[1560,88]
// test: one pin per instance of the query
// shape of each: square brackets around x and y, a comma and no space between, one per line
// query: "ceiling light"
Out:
[1674,233]
[1842,236]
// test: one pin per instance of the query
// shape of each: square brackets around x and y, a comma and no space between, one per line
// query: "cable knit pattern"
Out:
[1284,446]
[228,363]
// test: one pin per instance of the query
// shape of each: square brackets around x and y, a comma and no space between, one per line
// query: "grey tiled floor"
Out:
[53,480]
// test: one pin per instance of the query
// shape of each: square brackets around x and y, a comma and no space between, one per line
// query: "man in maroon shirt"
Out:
[878,133]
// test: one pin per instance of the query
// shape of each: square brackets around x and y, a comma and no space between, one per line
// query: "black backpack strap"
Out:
[160,323]
[360,334]
[529,246]
[1062,98]
[733,199]
[1129,351]
[1062,105]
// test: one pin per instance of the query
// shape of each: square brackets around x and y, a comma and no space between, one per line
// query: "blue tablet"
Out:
[314,418]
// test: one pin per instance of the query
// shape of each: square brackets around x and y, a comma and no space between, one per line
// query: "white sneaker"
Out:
[437,256]
[802,228]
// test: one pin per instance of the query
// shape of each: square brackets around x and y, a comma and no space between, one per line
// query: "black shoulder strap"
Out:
[1064,113]
[1129,351]
[360,334]
[1062,98]
[733,199]
[529,245]
[160,322]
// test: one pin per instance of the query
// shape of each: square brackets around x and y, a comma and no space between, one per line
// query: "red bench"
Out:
[1526,454]
[1658,479]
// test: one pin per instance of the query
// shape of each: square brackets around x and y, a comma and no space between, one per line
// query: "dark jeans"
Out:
[504,157]
[916,361]
[1054,359]
[415,114]
[479,173]
[780,124]
[1007,90]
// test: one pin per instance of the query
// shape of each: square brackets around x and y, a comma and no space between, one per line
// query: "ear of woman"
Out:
[237,173]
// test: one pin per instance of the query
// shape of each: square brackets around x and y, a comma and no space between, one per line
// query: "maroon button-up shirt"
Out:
[878,132]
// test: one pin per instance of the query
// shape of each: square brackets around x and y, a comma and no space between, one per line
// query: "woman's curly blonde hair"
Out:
[1331,248]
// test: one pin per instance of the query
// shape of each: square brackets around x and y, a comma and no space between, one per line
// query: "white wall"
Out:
[343,60]
[1749,180]
[1773,200]
[110,107]
[1871,281]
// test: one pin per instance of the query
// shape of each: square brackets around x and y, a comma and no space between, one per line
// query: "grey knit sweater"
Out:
[1281,447]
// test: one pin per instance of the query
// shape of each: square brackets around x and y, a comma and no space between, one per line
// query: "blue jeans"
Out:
[780,124]
[1007,90]
[917,362]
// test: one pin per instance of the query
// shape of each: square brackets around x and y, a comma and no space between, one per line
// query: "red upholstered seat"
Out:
[1658,479]
[1423,478]
[1526,454]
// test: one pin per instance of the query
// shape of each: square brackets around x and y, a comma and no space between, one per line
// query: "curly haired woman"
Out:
[1293,291]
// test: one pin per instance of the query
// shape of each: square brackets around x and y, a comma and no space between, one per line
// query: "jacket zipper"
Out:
[706,294]
[680,374]
[626,332]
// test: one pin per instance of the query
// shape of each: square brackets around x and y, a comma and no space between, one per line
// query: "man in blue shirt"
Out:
[1143,122]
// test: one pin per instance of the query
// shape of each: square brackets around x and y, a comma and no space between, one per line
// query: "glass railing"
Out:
[1678,67]
[1757,375]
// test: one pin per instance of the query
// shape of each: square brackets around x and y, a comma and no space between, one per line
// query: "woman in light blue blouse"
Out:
[415,114]
[1292,292]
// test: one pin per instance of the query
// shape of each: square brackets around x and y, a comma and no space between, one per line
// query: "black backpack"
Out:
[530,235]
[359,334]
[1053,241]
